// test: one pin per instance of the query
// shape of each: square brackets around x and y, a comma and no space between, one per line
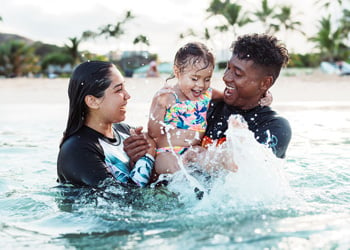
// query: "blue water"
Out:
[308,209]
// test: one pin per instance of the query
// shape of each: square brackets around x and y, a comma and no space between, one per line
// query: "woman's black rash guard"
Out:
[268,127]
[87,158]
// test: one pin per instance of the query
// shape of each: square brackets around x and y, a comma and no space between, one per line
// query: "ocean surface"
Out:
[302,202]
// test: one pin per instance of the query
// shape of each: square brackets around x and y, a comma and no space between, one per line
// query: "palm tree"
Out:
[216,7]
[109,30]
[265,16]
[73,49]
[232,13]
[116,30]
[329,42]
[286,21]
[141,39]
[345,22]
[327,3]
[191,33]
[337,24]
[187,33]
[17,59]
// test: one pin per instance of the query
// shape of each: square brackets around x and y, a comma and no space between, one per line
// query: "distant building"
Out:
[131,60]
[55,70]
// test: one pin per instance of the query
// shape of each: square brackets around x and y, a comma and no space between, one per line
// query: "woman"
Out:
[92,145]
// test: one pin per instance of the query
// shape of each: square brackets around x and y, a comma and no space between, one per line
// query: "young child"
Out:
[178,113]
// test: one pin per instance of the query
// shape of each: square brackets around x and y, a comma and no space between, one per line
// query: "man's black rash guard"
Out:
[268,127]
[87,158]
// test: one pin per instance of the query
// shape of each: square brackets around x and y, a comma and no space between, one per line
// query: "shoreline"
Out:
[316,89]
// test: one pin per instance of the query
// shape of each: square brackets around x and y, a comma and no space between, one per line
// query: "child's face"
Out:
[194,80]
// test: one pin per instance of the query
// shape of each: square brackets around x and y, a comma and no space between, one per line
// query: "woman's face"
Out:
[112,106]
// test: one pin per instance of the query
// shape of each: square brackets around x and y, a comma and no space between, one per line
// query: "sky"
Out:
[162,21]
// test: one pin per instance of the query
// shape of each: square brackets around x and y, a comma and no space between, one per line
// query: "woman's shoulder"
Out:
[84,136]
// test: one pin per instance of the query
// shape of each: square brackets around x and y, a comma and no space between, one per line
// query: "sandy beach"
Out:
[308,89]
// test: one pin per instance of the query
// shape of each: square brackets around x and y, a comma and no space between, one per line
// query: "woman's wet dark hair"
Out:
[88,78]
[192,53]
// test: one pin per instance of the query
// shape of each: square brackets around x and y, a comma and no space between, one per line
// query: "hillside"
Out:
[4,37]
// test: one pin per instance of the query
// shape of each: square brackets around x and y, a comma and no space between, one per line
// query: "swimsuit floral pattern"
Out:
[189,114]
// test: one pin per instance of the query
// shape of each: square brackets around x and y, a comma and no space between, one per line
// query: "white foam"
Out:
[260,178]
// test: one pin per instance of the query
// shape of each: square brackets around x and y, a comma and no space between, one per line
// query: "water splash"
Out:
[193,182]
[259,180]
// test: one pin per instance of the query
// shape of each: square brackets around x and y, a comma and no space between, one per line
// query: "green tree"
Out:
[332,38]
[141,39]
[286,21]
[191,33]
[232,13]
[265,15]
[110,30]
[17,59]
[91,56]
[327,3]
[327,41]
[73,49]
[187,33]
[55,58]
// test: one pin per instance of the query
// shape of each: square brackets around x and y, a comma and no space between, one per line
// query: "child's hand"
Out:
[192,155]
[266,100]
[230,165]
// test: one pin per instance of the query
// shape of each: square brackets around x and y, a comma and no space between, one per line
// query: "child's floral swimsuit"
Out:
[191,115]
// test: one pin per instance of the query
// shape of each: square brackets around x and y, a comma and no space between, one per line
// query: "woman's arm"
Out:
[138,144]
[141,173]
[80,164]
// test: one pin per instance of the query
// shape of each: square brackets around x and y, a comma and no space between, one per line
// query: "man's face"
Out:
[244,83]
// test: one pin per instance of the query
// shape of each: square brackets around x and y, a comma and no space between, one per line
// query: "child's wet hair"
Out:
[191,54]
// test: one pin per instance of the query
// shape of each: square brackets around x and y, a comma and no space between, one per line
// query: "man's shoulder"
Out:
[273,114]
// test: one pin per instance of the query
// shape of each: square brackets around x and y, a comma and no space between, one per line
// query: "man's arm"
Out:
[276,134]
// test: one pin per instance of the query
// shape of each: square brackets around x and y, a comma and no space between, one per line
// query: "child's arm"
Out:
[267,99]
[156,128]
[156,116]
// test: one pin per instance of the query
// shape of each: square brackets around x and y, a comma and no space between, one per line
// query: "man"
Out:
[253,68]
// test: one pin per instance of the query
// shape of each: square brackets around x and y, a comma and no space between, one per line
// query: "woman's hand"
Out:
[137,145]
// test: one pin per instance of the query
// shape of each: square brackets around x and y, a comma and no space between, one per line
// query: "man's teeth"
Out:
[230,88]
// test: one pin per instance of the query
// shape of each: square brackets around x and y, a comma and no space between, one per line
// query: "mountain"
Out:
[5,37]
[41,49]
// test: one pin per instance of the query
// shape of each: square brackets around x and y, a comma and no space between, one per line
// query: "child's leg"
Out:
[166,163]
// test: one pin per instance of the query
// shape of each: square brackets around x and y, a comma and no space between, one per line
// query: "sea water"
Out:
[302,202]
